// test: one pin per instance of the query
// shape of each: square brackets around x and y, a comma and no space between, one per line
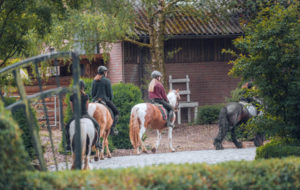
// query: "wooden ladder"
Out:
[188,104]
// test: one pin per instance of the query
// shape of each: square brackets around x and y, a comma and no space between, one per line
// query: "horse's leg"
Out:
[223,128]
[142,131]
[154,148]
[108,154]
[103,147]
[259,139]
[170,132]
[73,161]
[234,140]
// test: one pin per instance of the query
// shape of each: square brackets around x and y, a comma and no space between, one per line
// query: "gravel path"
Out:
[203,156]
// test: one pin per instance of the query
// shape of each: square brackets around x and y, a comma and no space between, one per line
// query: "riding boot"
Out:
[170,116]
[98,142]
[113,130]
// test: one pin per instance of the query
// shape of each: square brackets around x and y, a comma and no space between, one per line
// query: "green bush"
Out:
[262,174]
[18,114]
[13,157]
[278,148]
[208,114]
[125,97]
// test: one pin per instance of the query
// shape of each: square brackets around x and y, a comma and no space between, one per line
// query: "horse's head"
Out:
[174,97]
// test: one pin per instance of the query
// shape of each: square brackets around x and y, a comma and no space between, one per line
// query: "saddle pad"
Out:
[162,110]
[251,109]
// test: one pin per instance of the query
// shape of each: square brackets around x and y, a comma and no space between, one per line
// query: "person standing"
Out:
[102,92]
[157,94]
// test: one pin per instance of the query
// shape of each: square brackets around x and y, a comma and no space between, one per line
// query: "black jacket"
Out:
[102,89]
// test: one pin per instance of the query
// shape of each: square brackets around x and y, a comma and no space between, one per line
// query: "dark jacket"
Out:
[84,100]
[102,89]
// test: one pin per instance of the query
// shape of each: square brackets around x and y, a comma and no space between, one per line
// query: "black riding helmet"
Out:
[102,69]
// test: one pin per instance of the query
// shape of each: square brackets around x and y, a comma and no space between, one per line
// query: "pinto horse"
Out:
[148,116]
[103,116]
[232,115]
[88,139]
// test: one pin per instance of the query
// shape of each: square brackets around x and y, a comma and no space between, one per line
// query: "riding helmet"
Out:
[156,74]
[102,69]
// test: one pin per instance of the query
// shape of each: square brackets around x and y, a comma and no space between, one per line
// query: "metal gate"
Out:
[59,91]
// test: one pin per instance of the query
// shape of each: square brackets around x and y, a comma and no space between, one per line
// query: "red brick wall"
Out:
[115,65]
[209,81]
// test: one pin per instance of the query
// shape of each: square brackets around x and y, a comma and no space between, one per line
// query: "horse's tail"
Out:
[223,127]
[134,128]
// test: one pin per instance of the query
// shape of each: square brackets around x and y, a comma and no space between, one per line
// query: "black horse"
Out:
[231,116]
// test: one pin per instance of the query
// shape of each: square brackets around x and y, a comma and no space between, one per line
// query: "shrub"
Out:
[208,114]
[125,97]
[18,114]
[262,174]
[13,157]
[278,148]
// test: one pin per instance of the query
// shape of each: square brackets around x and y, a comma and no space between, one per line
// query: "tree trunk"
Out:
[157,42]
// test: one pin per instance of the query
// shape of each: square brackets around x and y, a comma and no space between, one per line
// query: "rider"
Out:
[245,87]
[83,114]
[102,92]
[157,94]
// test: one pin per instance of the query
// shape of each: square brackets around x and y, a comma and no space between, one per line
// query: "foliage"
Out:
[208,114]
[19,116]
[125,97]
[278,148]
[263,174]
[270,57]
[25,22]
[13,157]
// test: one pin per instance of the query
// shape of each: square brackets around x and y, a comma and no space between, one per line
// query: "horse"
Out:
[88,139]
[104,118]
[148,116]
[232,115]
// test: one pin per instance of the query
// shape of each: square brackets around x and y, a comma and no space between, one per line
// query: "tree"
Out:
[269,55]
[20,22]
[99,22]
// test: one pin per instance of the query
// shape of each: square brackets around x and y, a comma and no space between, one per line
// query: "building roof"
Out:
[183,25]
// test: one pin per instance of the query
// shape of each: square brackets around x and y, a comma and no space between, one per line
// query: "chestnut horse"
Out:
[148,116]
[103,116]
[88,139]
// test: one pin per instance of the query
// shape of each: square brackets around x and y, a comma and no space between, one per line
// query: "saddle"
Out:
[162,110]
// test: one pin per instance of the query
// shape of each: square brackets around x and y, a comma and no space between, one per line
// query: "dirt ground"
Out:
[185,138]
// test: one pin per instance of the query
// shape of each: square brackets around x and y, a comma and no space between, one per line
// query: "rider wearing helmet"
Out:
[102,92]
[84,114]
[157,94]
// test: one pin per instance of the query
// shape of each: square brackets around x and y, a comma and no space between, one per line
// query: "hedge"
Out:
[263,174]
[208,114]
[13,158]
[18,114]
[279,148]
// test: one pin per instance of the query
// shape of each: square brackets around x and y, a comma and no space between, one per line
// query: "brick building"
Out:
[198,55]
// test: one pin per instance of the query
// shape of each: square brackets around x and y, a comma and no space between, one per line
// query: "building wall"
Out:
[116,70]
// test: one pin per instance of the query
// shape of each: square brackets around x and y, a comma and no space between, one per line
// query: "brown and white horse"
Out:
[103,116]
[148,116]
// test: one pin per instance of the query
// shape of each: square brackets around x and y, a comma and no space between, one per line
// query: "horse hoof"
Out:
[102,158]
[145,151]
[219,147]
[173,150]
[153,150]
[239,145]
[109,156]
[96,158]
